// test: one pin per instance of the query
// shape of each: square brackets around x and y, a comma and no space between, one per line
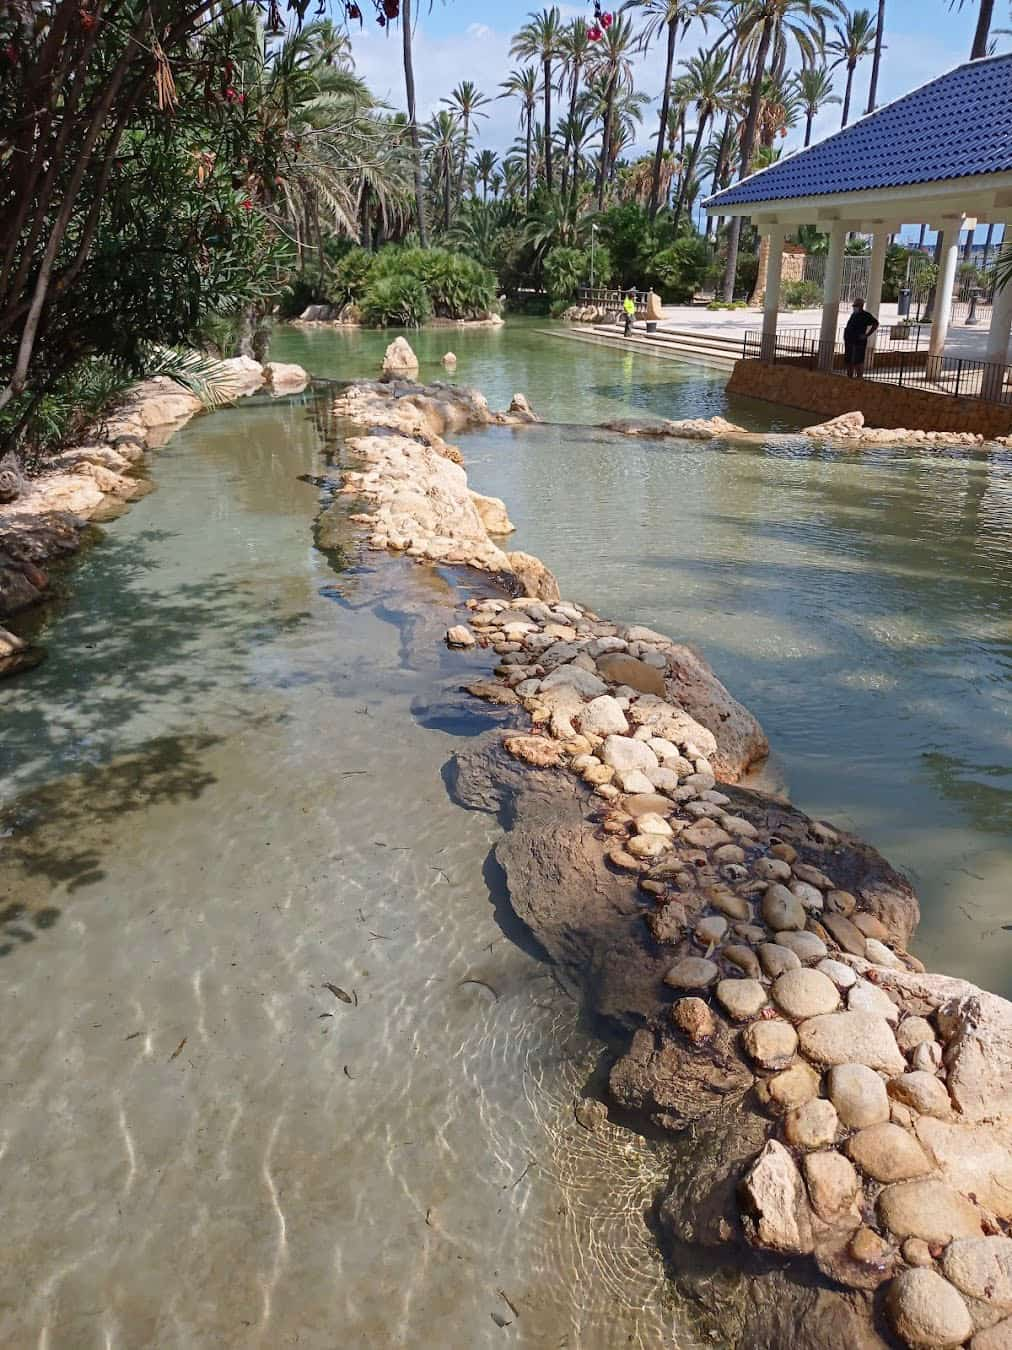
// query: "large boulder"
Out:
[399,358]
[534,577]
[493,513]
[243,376]
[12,478]
[285,378]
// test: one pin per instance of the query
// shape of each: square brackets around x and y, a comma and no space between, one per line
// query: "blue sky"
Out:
[466,39]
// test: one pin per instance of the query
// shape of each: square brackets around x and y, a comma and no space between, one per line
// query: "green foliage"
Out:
[678,272]
[801,295]
[395,300]
[745,274]
[347,279]
[566,269]
[895,274]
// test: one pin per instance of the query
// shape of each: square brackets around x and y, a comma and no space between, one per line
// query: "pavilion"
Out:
[941,155]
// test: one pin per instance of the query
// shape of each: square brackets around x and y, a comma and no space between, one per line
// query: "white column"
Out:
[831,294]
[944,287]
[876,276]
[771,299]
[997,340]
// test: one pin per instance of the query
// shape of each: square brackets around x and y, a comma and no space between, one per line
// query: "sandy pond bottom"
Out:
[222,793]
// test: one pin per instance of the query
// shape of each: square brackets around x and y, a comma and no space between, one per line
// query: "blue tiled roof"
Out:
[959,124]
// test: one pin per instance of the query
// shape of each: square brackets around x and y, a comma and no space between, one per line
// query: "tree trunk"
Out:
[527,179]
[605,146]
[982,34]
[847,94]
[466,127]
[809,118]
[987,245]
[876,59]
[687,175]
[364,232]
[548,124]
[416,147]
[747,146]
[669,62]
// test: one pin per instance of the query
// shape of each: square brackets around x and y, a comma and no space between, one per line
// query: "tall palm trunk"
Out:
[980,37]
[747,147]
[447,183]
[847,93]
[987,245]
[876,59]
[548,123]
[669,64]
[527,170]
[416,145]
[365,230]
[466,128]
[609,104]
[690,168]
[809,118]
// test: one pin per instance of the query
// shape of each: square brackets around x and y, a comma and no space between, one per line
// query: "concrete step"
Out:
[686,349]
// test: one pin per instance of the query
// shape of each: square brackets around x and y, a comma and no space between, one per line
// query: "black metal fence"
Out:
[949,375]
[610,298]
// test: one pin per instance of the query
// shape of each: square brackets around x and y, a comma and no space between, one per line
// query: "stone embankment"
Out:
[94,482]
[841,1120]
[847,429]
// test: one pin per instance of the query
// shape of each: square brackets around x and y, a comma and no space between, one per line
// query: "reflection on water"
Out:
[221,816]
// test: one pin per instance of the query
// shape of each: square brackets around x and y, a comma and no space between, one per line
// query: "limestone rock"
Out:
[998,1337]
[775,1208]
[981,1268]
[805,993]
[923,1092]
[805,946]
[925,1310]
[692,972]
[859,1095]
[771,1043]
[244,376]
[534,577]
[928,1209]
[574,677]
[520,410]
[844,933]
[449,360]
[812,1125]
[888,1153]
[492,511]
[777,959]
[975,1158]
[742,998]
[866,997]
[694,1017]
[460,636]
[851,1038]
[914,1031]
[793,1087]
[623,753]
[832,1183]
[842,976]
[978,1055]
[781,909]
[845,424]
[603,716]
[399,358]
[283,377]
[538,751]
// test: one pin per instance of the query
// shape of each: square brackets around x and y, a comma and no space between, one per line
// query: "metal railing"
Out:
[609,297]
[952,376]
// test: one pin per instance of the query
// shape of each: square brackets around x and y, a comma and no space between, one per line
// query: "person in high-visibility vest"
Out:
[629,305]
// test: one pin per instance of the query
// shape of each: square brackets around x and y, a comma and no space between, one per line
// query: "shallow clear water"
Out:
[221,794]
[859,602]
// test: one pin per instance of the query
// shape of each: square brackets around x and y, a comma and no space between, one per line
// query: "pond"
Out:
[859,602]
[223,817]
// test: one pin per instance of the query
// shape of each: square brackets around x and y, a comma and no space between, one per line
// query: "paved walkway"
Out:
[969,343]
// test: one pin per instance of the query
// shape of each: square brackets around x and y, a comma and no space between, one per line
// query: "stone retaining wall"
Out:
[883,405]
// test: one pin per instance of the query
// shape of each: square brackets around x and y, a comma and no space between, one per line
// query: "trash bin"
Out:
[903,303]
[651,325]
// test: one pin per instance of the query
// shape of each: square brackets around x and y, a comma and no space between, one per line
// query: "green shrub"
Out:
[745,275]
[454,285]
[458,286]
[567,269]
[679,271]
[801,295]
[347,279]
[398,300]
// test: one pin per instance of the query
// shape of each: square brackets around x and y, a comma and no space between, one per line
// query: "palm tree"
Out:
[542,40]
[672,17]
[524,84]
[610,69]
[441,136]
[416,144]
[484,169]
[876,60]
[710,85]
[982,32]
[855,38]
[578,135]
[465,102]
[814,87]
[575,48]
[762,27]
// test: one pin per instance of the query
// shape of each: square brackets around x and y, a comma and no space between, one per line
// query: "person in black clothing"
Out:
[860,327]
